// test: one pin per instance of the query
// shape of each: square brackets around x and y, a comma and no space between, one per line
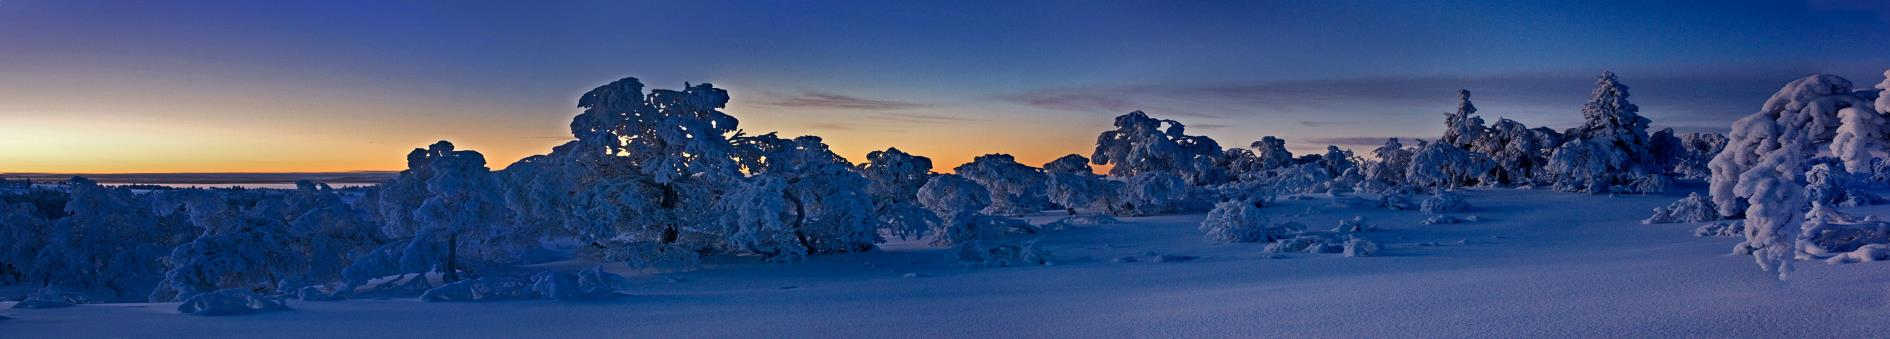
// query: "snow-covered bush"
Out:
[1829,234]
[1307,243]
[110,238]
[1141,145]
[957,201]
[1071,183]
[1693,208]
[229,302]
[949,194]
[1442,219]
[492,288]
[590,284]
[1443,202]
[1240,221]
[1651,183]
[1016,189]
[1441,165]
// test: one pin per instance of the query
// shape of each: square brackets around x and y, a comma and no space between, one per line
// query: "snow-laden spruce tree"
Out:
[1388,171]
[1141,144]
[1761,172]
[1441,165]
[239,247]
[826,198]
[1071,183]
[1463,127]
[1155,194]
[1610,148]
[1016,189]
[895,177]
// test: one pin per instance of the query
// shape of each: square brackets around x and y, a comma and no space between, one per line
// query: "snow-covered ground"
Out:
[1538,264]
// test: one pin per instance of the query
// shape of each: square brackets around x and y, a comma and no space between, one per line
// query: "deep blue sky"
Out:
[333,85]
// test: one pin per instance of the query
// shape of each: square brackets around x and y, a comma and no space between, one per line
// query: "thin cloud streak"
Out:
[839,101]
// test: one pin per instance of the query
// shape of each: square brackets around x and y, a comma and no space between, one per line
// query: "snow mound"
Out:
[1442,219]
[1307,243]
[1693,208]
[591,284]
[1839,238]
[230,302]
[1069,221]
[995,253]
[1353,224]
[1396,201]
[1722,229]
[1444,202]
[1360,247]
[481,289]
[1240,221]
[51,297]
[318,293]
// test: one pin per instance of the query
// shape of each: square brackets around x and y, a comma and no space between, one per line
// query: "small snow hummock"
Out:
[230,302]
[1239,221]
[1001,253]
[1442,219]
[1443,202]
[591,284]
[481,289]
[1839,238]
[51,297]
[1734,228]
[1396,201]
[1693,208]
[1353,224]
[1360,247]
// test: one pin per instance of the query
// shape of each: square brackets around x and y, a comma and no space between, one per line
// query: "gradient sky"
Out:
[253,86]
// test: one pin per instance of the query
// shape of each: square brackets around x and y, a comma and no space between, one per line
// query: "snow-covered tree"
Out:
[1016,189]
[1393,160]
[1241,221]
[895,178]
[826,197]
[1141,144]
[958,202]
[1462,127]
[1611,147]
[1271,153]
[329,234]
[1517,153]
[111,238]
[464,213]
[241,247]
[1073,184]
[1153,194]
[1441,165]
[1761,172]
[1697,150]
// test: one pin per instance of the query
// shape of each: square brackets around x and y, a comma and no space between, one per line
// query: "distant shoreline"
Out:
[357,177]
